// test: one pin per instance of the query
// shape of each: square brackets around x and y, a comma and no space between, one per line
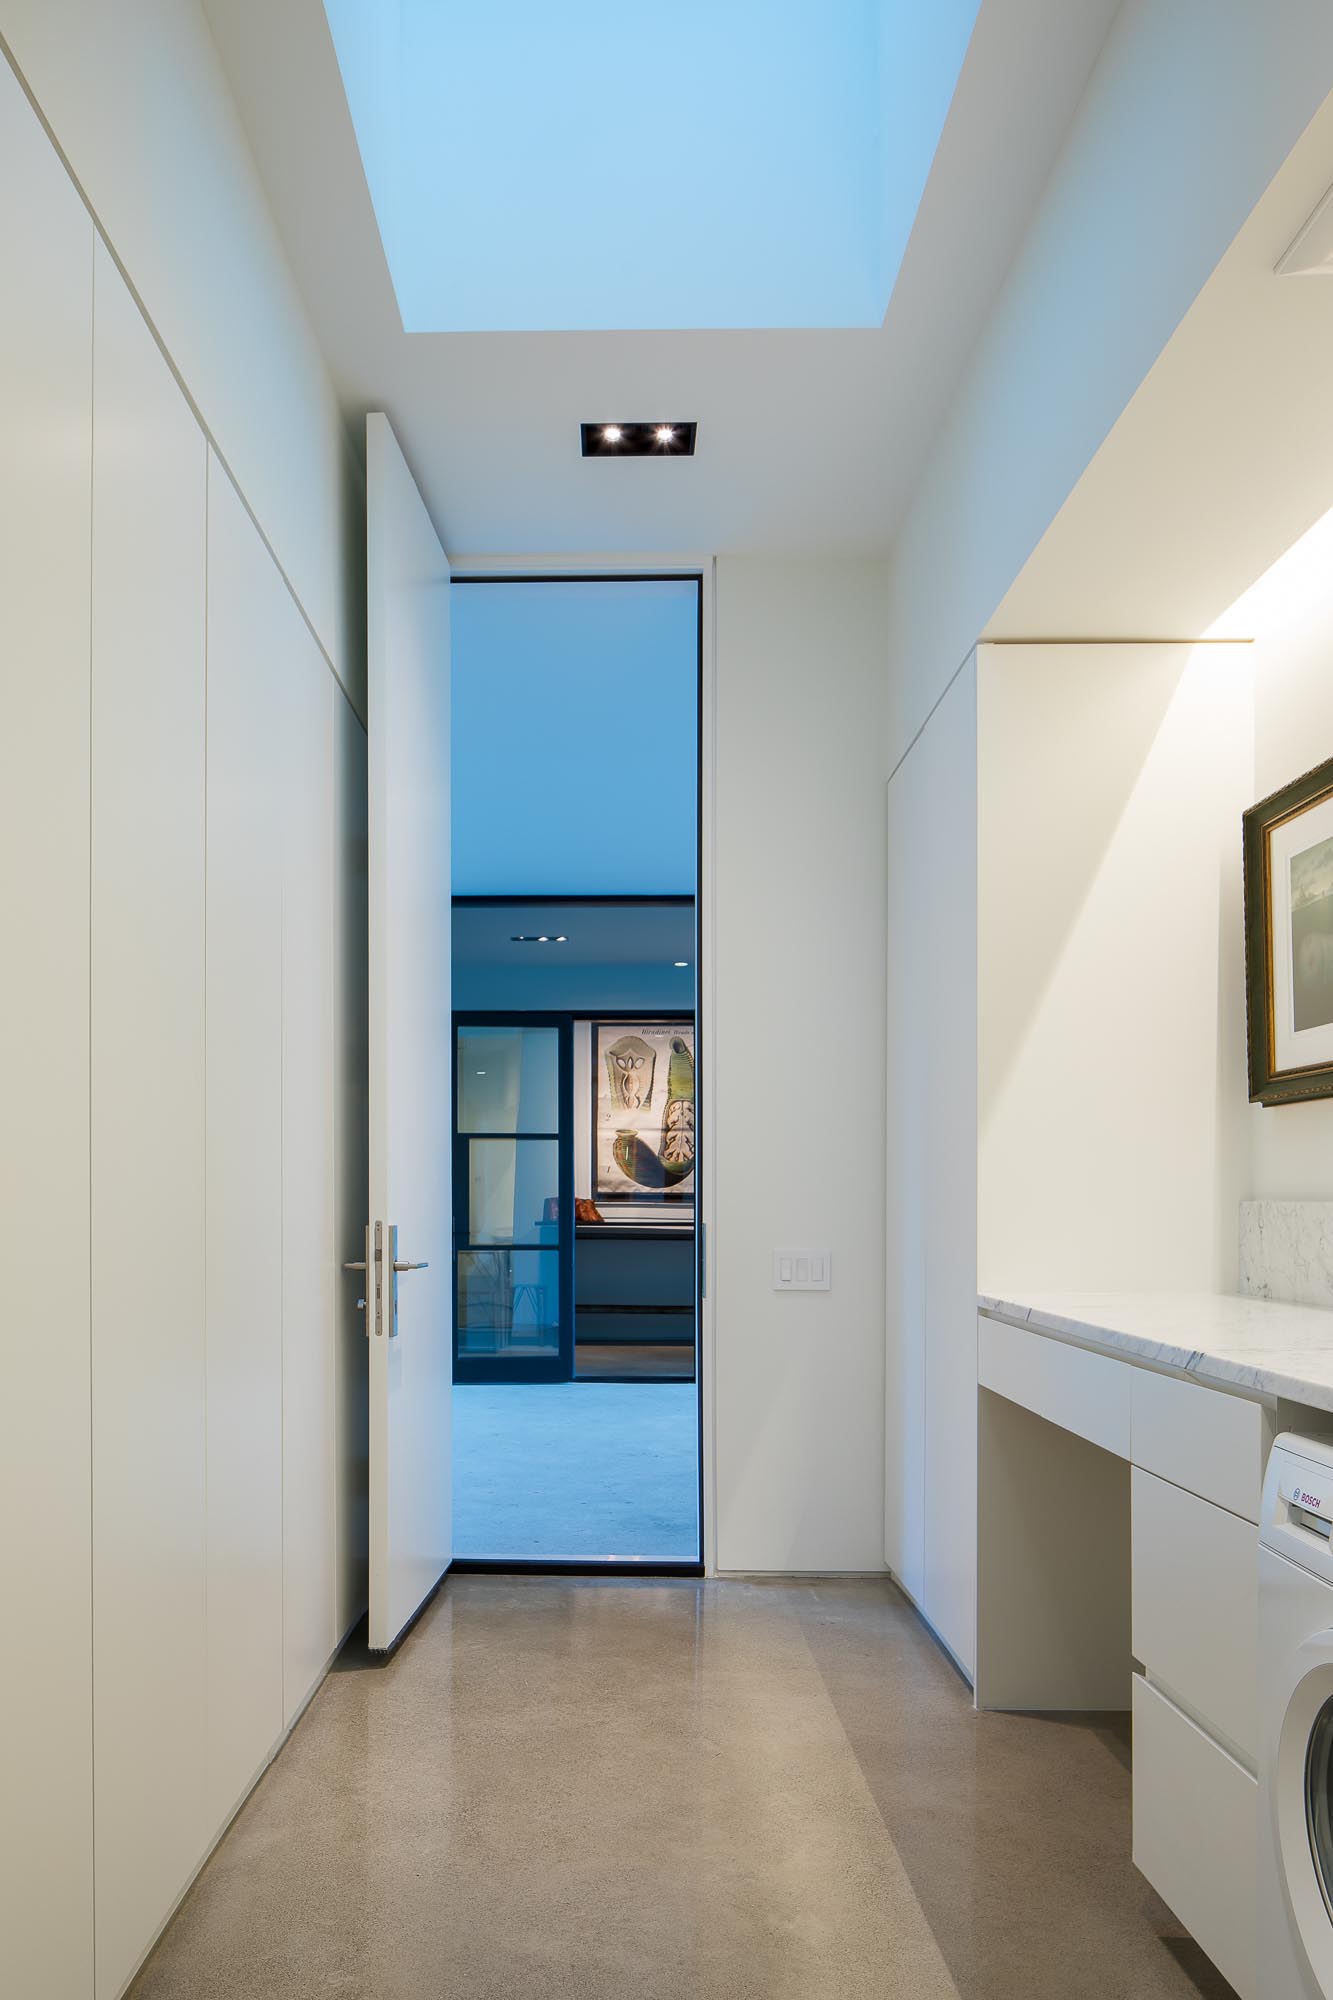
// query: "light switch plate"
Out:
[802,1270]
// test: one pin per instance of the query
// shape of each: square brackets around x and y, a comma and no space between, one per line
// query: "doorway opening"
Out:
[575,1053]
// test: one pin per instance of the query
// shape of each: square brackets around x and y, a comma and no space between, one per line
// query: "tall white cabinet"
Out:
[182,866]
[148,1136]
[46,296]
[311,1280]
[246,712]
[930,1371]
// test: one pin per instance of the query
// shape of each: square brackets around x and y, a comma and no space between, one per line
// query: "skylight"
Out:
[637,164]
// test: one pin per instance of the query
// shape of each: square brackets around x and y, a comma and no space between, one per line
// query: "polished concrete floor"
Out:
[583,1469]
[569,1789]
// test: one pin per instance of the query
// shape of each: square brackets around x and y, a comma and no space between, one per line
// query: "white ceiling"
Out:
[807,439]
[1221,460]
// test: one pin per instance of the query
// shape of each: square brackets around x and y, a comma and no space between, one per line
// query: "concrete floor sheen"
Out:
[577,1789]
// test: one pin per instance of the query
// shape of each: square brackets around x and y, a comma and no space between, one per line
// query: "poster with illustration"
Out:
[643,1111]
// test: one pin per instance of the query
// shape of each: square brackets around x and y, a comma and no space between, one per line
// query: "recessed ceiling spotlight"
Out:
[655,440]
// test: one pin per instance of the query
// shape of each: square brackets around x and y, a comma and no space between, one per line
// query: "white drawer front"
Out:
[1216,1445]
[1085,1393]
[1196,1605]
[1195,1832]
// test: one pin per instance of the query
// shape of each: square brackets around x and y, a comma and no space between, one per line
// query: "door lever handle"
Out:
[403,1265]
[359,1264]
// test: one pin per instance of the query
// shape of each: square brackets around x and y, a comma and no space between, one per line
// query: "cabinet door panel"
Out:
[948,945]
[1195,1833]
[905,1249]
[1196,1607]
[247,611]
[46,1846]
[1082,1392]
[1202,1439]
[351,1192]
[309,1293]
[149,472]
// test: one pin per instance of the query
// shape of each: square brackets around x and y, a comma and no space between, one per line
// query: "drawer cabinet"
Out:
[1195,1833]
[1088,1394]
[1214,1444]
[1196,1605]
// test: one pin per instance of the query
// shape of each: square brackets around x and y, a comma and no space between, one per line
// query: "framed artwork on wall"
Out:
[1288,842]
[643,1113]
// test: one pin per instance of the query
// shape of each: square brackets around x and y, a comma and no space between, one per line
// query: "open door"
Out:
[409,1321]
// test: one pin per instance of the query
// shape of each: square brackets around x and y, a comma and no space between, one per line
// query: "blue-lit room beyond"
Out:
[575,835]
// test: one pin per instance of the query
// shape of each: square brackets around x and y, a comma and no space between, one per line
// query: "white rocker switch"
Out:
[802,1270]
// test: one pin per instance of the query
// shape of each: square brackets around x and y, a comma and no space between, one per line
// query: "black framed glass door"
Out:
[513,1200]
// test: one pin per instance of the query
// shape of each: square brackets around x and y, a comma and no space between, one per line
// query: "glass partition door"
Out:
[513,1201]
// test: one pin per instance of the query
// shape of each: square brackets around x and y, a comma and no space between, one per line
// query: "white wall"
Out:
[1190,110]
[1111,1038]
[186,215]
[797,1060]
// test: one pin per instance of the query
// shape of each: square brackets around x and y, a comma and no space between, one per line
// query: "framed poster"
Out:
[1289,940]
[643,1126]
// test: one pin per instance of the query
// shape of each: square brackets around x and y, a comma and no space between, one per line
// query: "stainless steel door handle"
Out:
[368,1263]
[376,1262]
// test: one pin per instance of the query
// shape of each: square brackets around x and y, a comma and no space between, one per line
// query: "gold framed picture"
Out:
[1288,844]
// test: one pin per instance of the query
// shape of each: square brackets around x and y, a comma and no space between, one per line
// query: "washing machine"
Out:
[1295,1861]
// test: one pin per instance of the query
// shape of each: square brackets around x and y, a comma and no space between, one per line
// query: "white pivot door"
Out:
[409,1244]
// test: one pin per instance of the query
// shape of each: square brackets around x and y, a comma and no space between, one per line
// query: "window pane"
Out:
[508,1080]
[513,1186]
[509,1302]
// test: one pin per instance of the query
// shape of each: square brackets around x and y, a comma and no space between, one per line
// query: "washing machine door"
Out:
[1302,1803]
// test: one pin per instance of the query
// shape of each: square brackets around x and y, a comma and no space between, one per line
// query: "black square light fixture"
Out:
[657,440]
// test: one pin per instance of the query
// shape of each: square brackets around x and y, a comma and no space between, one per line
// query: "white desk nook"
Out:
[1123,1441]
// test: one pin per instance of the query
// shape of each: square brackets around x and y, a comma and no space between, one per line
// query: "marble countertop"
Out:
[1243,1343]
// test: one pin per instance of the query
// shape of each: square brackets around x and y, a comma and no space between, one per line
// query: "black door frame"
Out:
[687,573]
[563,1366]
[558,1367]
